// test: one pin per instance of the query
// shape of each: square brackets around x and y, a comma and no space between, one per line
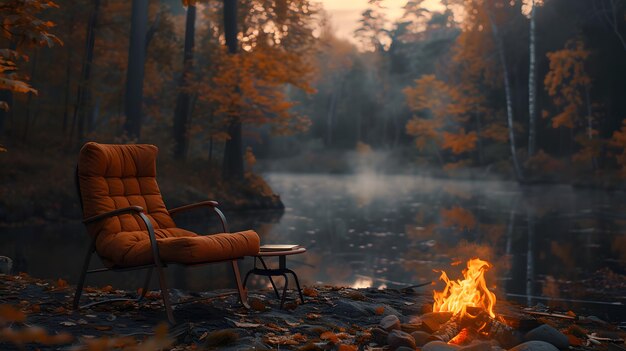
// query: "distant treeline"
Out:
[534,89]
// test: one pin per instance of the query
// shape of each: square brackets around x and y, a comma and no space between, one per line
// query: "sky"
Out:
[345,14]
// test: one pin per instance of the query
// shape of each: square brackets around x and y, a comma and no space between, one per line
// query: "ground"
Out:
[332,318]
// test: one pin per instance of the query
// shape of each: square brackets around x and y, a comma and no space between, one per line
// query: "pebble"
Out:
[421,338]
[534,346]
[477,346]
[398,338]
[548,334]
[390,323]
[379,336]
[439,346]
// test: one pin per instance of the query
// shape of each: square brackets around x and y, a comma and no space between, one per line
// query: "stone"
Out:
[6,265]
[379,336]
[431,322]
[421,338]
[439,346]
[534,345]
[410,327]
[398,338]
[350,308]
[548,334]
[390,323]
[477,346]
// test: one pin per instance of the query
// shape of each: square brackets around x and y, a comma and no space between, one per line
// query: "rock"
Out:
[404,348]
[410,327]
[433,320]
[534,346]
[379,336]
[421,338]
[548,334]
[477,346]
[350,308]
[6,265]
[439,346]
[398,338]
[390,323]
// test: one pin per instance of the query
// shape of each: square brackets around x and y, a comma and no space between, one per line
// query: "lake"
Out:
[554,245]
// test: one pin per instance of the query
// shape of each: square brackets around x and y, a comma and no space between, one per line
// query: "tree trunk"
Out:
[6,96]
[233,150]
[181,114]
[29,100]
[532,85]
[135,71]
[83,96]
[530,256]
[331,116]
[509,102]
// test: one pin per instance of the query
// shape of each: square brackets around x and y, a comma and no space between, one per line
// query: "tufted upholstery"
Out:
[117,176]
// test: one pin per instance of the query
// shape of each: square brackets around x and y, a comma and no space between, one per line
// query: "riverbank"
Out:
[37,186]
[333,318]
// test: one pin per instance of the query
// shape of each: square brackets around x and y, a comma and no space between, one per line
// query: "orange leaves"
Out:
[10,314]
[250,86]
[457,217]
[618,141]
[460,142]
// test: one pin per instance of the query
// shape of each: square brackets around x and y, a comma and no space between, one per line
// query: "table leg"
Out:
[269,276]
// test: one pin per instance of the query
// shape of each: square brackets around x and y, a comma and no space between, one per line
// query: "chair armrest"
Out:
[210,204]
[116,212]
[192,206]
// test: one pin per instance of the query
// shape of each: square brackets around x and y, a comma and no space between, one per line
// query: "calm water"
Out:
[548,244]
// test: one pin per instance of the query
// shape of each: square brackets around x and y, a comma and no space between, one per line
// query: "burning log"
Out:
[448,330]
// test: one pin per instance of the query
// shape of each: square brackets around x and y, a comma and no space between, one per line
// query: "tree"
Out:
[569,85]
[22,28]
[83,99]
[371,31]
[181,114]
[249,82]
[135,72]
[507,89]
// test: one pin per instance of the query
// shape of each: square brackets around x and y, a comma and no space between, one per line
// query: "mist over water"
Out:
[547,244]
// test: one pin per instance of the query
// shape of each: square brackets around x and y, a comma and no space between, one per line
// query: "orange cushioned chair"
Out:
[132,229]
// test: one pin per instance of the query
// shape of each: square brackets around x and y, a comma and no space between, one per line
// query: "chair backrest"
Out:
[117,176]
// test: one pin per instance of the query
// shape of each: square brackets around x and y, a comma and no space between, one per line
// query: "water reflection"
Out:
[394,231]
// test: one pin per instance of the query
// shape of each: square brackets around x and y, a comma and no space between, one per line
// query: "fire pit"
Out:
[463,317]
[471,307]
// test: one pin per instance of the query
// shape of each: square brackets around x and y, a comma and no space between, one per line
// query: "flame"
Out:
[472,291]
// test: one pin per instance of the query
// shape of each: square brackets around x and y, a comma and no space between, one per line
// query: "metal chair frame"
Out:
[158,263]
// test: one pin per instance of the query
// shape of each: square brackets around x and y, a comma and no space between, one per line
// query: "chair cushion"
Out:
[127,249]
[118,176]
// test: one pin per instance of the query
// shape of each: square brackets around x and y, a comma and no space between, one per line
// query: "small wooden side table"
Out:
[282,270]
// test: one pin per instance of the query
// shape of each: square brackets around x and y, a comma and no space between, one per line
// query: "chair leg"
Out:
[243,293]
[146,284]
[165,294]
[81,280]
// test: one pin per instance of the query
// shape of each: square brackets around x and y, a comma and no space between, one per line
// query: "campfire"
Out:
[471,305]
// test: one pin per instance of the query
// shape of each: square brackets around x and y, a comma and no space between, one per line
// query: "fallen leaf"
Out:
[344,347]
[313,316]
[102,327]
[310,292]
[380,310]
[243,324]
[330,336]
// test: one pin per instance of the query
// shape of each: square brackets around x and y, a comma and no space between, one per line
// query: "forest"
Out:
[525,90]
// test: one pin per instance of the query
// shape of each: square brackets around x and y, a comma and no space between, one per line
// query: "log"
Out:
[447,331]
